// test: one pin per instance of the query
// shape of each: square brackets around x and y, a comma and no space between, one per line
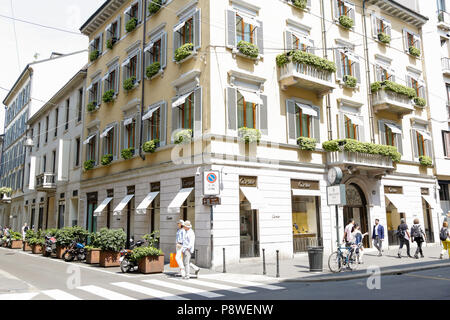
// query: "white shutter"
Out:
[341,125]
[361,133]
[373,19]
[175,118]
[352,13]
[231,28]
[414,144]
[232,111]
[198,112]
[289,41]
[263,116]
[63,160]
[260,37]
[163,123]
[117,75]
[164,50]
[137,133]
[290,121]
[382,131]
[197,29]
[140,9]
[417,42]
[138,65]
[388,27]
[357,71]
[100,41]
[337,57]
[399,142]
[316,124]
[336,9]
[405,40]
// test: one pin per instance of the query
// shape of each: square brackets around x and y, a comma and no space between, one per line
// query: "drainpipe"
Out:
[325,55]
[369,92]
[141,154]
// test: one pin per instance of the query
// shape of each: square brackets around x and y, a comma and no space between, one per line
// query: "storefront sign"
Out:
[188,182]
[336,195]
[245,181]
[211,201]
[393,189]
[305,184]
[425,191]
[211,183]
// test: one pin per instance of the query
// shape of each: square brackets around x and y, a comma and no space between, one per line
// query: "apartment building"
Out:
[53,165]
[35,85]
[354,70]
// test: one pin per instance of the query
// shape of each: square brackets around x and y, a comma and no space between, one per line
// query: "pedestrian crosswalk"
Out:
[170,288]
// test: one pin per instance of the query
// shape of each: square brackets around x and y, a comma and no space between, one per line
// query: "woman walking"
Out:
[357,238]
[418,236]
[444,235]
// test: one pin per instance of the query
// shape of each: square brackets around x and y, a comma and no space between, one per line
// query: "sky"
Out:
[32,40]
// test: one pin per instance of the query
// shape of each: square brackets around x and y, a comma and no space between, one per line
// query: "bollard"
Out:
[264,261]
[224,270]
[278,264]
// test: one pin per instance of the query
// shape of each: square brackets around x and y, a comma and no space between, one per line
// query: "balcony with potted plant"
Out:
[346,22]
[127,153]
[247,50]
[425,161]
[89,165]
[93,55]
[185,52]
[106,159]
[150,146]
[300,4]
[92,106]
[131,25]
[153,70]
[414,51]
[110,242]
[130,83]
[5,195]
[349,81]
[384,38]
[391,96]
[307,144]
[249,135]
[109,96]
[154,6]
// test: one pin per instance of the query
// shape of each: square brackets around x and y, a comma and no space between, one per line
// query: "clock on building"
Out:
[335,175]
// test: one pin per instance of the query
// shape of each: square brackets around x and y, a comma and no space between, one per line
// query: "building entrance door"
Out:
[249,234]
[356,209]
[427,221]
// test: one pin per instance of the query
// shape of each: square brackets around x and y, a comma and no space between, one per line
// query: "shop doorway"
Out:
[428,222]
[91,221]
[393,221]
[249,230]
[40,217]
[356,209]
[306,231]
[130,216]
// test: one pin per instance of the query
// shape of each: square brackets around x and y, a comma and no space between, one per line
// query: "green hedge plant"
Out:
[88,165]
[150,146]
[111,240]
[248,49]
[129,84]
[184,51]
[30,234]
[108,96]
[350,81]
[183,136]
[308,144]
[421,102]
[5,190]
[154,6]
[414,51]
[127,153]
[107,159]
[93,55]
[109,44]
[346,22]
[395,87]
[301,4]
[385,38]
[249,135]
[308,58]
[36,241]
[425,161]
[153,69]
[92,106]
[15,235]
[131,24]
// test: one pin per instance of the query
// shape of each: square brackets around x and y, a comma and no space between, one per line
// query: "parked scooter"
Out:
[126,263]
[49,246]
[77,250]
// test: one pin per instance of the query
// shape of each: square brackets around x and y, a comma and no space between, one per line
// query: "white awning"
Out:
[89,139]
[128,121]
[181,100]
[108,27]
[394,128]
[149,113]
[101,207]
[255,197]
[303,192]
[424,134]
[399,201]
[252,97]
[122,204]
[127,61]
[142,208]
[149,47]
[89,87]
[430,201]
[249,20]
[105,77]
[354,119]
[306,109]
[105,132]
[177,202]
[179,26]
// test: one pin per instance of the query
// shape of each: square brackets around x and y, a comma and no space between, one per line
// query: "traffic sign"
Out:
[211,183]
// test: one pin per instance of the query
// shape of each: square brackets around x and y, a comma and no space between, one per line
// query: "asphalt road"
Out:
[32,277]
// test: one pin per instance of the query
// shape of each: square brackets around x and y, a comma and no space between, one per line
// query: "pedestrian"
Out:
[348,233]
[188,249]
[378,236]
[418,236]
[404,236]
[24,230]
[357,239]
[444,235]
[181,233]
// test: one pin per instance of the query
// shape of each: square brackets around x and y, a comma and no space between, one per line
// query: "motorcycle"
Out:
[49,246]
[77,250]
[126,263]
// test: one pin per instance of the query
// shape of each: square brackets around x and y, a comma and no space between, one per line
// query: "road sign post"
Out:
[336,197]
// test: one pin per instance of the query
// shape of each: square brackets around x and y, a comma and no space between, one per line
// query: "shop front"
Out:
[396,208]
[126,206]
[427,205]
[151,205]
[184,201]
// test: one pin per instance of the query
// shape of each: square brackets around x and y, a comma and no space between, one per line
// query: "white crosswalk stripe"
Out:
[18,296]
[218,286]
[185,288]
[260,285]
[59,295]
[148,291]
[105,293]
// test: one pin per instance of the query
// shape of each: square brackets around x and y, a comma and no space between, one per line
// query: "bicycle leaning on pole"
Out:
[343,257]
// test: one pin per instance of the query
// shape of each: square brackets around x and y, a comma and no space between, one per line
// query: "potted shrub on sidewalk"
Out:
[28,235]
[150,258]
[37,243]
[111,242]
[16,240]
[93,250]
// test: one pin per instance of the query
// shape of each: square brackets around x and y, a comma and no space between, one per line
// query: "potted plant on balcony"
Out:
[127,153]
[150,146]
[301,4]
[346,22]
[16,240]
[421,102]
[92,106]
[183,136]
[129,84]
[248,49]
[93,55]
[385,38]
[131,24]
[107,159]
[414,51]
[307,144]
[110,242]
[183,52]
[108,96]
[89,165]
[154,6]
[350,81]
[394,87]
[153,69]
[425,161]
[249,135]
[150,259]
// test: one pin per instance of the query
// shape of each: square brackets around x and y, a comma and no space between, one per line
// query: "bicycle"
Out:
[338,259]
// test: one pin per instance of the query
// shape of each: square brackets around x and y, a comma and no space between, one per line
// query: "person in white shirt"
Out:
[188,249]
[348,233]
[24,230]
[181,233]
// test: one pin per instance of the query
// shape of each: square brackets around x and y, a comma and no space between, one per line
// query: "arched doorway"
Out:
[356,208]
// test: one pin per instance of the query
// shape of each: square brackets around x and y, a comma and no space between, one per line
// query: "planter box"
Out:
[26,246]
[93,256]
[109,259]
[60,252]
[151,264]
[37,249]
[16,244]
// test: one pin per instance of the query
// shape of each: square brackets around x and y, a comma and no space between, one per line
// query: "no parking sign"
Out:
[211,185]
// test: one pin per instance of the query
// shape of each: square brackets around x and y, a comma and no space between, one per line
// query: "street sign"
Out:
[336,195]
[211,201]
[211,184]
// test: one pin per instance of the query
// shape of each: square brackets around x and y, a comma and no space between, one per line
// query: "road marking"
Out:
[59,295]
[105,293]
[258,285]
[149,291]
[18,296]
[426,277]
[185,288]
[220,286]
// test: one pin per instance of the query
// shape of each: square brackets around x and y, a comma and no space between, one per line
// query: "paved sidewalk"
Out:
[297,269]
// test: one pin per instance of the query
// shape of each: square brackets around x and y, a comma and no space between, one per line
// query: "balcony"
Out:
[445,63]
[388,100]
[46,182]
[443,20]
[306,77]
[355,160]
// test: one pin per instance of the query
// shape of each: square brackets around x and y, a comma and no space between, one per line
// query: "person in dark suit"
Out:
[378,236]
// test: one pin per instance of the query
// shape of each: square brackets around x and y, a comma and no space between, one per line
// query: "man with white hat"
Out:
[181,233]
[188,249]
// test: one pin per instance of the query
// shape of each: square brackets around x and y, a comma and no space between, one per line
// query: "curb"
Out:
[397,271]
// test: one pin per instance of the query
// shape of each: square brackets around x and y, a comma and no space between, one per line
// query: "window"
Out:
[54,161]
[94,92]
[420,144]
[444,194]
[380,25]
[156,50]
[245,30]
[446,141]
[109,140]
[44,164]
[383,73]
[351,123]
[132,67]
[155,122]
[133,11]
[447,86]
[351,129]
[347,64]
[187,111]
[46,129]
[67,114]
[80,104]
[97,44]
[111,80]
[390,134]
[243,27]
[77,151]
[112,31]
[410,39]
[56,121]
[418,85]
[298,41]
[246,113]
[344,8]
[91,149]
[188,30]
[129,137]
[421,140]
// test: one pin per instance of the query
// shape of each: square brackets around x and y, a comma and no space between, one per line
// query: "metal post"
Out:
[337,227]
[224,269]
[278,264]
[144,31]
[264,261]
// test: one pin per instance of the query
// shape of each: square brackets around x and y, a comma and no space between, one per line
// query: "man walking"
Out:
[24,230]
[188,249]
[378,236]
[348,232]
[404,236]
[181,233]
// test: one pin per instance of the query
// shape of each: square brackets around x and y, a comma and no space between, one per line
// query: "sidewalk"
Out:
[297,269]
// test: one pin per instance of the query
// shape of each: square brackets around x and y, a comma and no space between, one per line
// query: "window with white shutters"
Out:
[410,39]
[446,143]
[303,120]
[351,126]
[188,30]
[94,92]
[383,72]
[243,27]
[347,64]
[112,32]
[131,67]
[155,122]
[390,134]
[111,79]
[380,25]
[421,141]
[187,112]
[133,12]
[344,8]
[156,51]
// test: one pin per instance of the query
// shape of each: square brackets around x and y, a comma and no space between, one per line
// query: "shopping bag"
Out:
[173,261]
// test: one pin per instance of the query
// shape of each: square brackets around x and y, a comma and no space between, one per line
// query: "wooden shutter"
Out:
[138,65]
[337,58]
[289,40]
[162,123]
[373,19]
[140,9]
[260,37]
[232,111]
[399,142]
[163,50]
[231,29]
[119,30]
[198,113]
[315,121]
[290,121]
[122,136]
[176,42]
[197,29]
[263,116]
[116,141]
[100,46]
[117,75]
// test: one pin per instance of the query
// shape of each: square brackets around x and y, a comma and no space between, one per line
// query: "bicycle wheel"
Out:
[352,261]
[335,262]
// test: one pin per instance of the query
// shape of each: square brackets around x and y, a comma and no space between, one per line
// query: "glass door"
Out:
[249,234]
[61,210]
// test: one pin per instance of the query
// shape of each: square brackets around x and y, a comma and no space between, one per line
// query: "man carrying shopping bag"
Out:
[188,249]
[181,233]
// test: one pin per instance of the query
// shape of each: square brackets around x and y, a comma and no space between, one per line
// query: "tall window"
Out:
[54,161]
[246,113]
[39,134]
[187,32]
[156,52]
[77,151]
[46,129]
[111,81]
[420,144]
[343,8]
[390,136]
[67,114]
[90,152]
[130,134]
[187,113]
[153,125]
[56,121]
[245,31]
[446,141]
[415,85]
[109,142]
[410,39]
[346,65]
[351,130]
[80,103]
[134,13]
[303,123]
[44,164]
